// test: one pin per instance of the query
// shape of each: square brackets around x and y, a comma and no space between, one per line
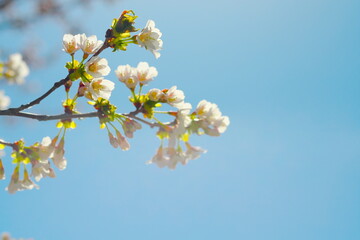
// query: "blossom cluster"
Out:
[150,38]
[37,156]
[89,45]
[90,72]
[13,71]
[206,119]
[141,75]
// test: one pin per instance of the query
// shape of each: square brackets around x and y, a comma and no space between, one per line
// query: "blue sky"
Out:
[285,72]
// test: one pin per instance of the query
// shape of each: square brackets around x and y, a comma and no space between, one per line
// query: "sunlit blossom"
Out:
[71,43]
[27,183]
[193,152]
[125,74]
[155,94]
[15,183]
[41,169]
[99,88]
[89,45]
[150,38]
[145,73]
[174,96]
[58,155]
[97,67]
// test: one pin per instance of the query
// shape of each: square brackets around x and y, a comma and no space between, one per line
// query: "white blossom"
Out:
[71,43]
[203,109]
[155,94]
[145,73]
[89,45]
[174,97]
[99,88]
[175,156]
[58,155]
[17,69]
[150,38]
[211,118]
[4,100]
[222,123]
[41,169]
[125,74]
[168,157]
[193,152]
[183,120]
[122,141]
[97,67]
[160,159]
[46,147]
[15,183]
[27,183]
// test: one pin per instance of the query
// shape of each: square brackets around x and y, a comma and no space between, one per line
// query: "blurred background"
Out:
[285,72]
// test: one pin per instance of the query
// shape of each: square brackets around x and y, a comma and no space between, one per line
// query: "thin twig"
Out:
[7,143]
[143,121]
[39,99]
[42,117]
[50,117]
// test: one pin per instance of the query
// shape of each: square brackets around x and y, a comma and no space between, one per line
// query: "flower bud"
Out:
[125,23]
[113,140]
[81,90]
[122,141]
[68,85]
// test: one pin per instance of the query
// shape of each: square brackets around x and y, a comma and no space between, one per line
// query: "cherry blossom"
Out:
[58,155]
[99,88]
[41,169]
[150,38]
[155,94]
[71,43]
[174,97]
[145,73]
[89,45]
[125,74]
[97,67]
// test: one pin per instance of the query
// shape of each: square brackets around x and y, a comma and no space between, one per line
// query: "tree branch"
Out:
[43,117]
[39,99]
[7,143]
[150,124]
[49,117]
[16,111]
